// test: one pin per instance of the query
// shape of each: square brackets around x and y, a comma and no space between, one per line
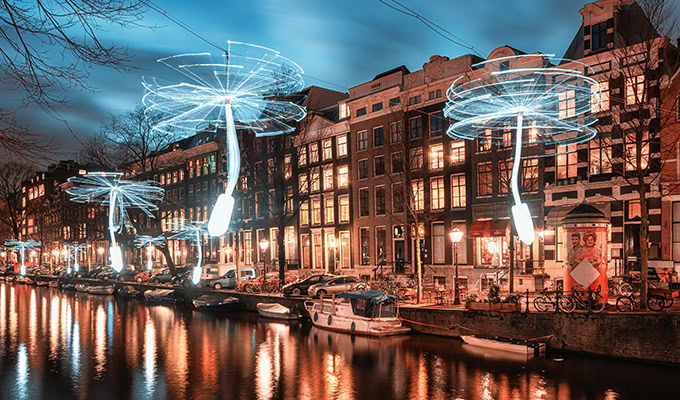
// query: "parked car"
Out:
[300,288]
[144,276]
[164,275]
[105,273]
[183,279]
[255,285]
[228,280]
[336,285]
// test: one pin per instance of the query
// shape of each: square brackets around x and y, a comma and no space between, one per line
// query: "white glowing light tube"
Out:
[148,241]
[553,103]
[107,188]
[194,232]
[21,247]
[246,90]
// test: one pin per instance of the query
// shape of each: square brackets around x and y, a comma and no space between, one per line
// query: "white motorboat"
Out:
[158,295]
[100,289]
[520,346]
[362,312]
[276,311]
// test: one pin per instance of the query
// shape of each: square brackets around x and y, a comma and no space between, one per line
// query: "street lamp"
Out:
[264,245]
[456,236]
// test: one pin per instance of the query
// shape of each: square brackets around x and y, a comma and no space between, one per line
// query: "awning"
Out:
[480,229]
[488,228]
[556,215]
[500,228]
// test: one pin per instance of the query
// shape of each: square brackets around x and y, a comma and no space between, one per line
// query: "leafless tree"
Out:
[13,175]
[46,48]
[642,60]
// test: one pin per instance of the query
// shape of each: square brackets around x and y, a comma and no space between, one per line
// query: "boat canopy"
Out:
[375,296]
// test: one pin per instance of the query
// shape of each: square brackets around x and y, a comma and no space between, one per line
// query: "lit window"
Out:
[327,149]
[457,151]
[288,168]
[314,153]
[530,174]
[566,161]
[505,171]
[484,141]
[634,210]
[304,213]
[437,193]
[316,180]
[599,102]
[329,210]
[567,104]
[344,111]
[302,155]
[341,142]
[345,256]
[418,190]
[365,258]
[316,211]
[344,208]
[600,155]
[633,142]
[458,191]
[484,179]
[343,175]
[533,132]
[437,156]
[327,177]
[303,184]
[635,89]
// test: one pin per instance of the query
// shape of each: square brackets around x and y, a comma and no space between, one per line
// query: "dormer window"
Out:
[598,36]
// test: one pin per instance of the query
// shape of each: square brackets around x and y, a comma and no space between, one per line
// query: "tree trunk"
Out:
[511,249]
[419,268]
[644,253]
[280,239]
[168,260]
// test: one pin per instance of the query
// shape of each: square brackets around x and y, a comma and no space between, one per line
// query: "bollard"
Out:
[590,299]
[527,308]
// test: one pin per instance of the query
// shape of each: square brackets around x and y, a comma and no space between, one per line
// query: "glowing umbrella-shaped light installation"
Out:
[108,189]
[241,89]
[22,247]
[193,231]
[148,241]
[525,90]
[74,248]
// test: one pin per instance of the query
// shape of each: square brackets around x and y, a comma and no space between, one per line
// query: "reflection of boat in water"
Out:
[362,312]
[101,289]
[496,344]
[160,295]
[128,291]
[68,286]
[217,302]
[276,311]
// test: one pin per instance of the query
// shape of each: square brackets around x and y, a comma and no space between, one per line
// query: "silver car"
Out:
[337,285]
[228,280]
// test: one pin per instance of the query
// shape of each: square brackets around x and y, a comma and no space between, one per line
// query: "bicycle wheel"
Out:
[625,304]
[626,289]
[598,304]
[566,304]
[542,304]
[668,302]
[655,302]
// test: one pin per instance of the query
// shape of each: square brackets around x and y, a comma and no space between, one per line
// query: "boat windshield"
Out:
[368,309]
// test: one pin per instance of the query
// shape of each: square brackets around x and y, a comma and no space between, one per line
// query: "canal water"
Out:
[69,345]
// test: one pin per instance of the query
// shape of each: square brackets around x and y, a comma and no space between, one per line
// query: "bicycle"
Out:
[619,288]
[587,299]
[546,300]
[655,302]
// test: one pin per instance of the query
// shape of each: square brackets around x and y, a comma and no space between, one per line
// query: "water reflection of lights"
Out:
[264,378]
[32,321]
[3,318]
[22,372]
[149,356]
[75,354]
[100,342]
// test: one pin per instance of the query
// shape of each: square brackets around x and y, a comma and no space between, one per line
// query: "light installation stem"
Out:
[199,245]
[22,270]
[517,160]
[112,209]
[233,156]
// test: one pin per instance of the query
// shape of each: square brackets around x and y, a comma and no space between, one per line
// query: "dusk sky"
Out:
[346,43]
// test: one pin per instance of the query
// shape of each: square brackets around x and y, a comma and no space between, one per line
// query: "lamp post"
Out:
[264,245]
[456,236]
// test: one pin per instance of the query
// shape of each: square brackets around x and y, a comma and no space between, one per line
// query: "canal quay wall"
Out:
[635,336]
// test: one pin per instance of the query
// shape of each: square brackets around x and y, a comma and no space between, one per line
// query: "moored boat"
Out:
[101,289]
[159,295]
[362,312]
[128,291]
[81,287]
[276,311]
[68,286]
[216,302]
[527,347]
[41,283]
[53,284]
